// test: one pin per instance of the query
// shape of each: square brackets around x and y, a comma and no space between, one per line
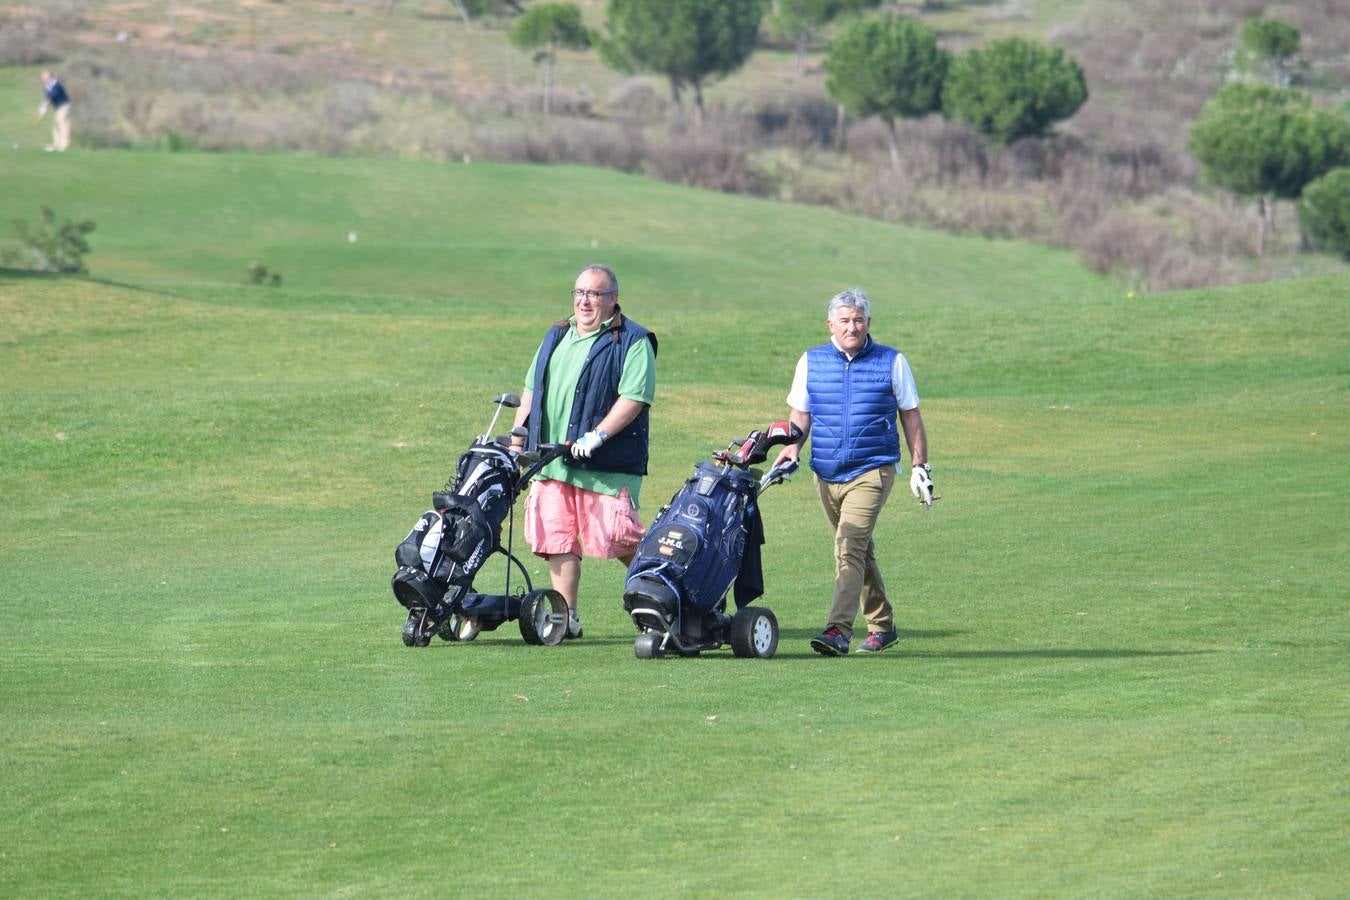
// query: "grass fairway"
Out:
[1123,666]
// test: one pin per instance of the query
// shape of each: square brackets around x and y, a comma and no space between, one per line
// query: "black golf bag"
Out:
[706,538]
[449,544]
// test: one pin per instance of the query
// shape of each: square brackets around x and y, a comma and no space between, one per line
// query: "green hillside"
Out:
[450,230]
[1123,628]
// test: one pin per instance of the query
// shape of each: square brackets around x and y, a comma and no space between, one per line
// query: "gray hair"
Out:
[853,298]
[609,273]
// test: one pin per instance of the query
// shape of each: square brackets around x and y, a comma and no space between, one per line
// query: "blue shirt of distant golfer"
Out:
[56,94]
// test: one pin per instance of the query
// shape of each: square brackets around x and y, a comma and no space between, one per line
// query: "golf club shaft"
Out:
[493,424]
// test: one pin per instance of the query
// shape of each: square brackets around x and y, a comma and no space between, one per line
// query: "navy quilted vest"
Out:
[596,391]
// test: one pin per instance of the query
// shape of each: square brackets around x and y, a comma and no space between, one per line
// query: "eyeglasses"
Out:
[580,294]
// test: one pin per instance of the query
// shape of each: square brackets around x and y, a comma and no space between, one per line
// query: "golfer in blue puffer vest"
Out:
[853,397]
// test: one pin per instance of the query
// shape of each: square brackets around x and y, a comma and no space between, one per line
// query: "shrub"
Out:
[801,121]
[49,247]
[1013,88]
[259,274]
[1270,39]
[575,141]
[638,98]
[1254,139]
[1118,242]
[102,122]
[349,105]
[35,39]
[561,103]
[948,154]
[1324,211]
[716,156]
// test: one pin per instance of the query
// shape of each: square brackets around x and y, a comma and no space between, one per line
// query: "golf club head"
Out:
[508,400]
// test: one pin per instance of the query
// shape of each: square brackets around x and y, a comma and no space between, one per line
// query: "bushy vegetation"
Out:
[1260,141]
[38,36]
[1269,45]
[1324,210]
[412,80]
[1254,139]
[1270,38]
[259,274]
[49,245]
[1013,89]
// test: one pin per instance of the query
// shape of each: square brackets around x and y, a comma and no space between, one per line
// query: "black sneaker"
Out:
[830,643]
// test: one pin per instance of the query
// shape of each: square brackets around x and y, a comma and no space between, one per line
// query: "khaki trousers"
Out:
[852,509]
[61,127]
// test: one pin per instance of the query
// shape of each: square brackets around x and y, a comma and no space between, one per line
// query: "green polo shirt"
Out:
[638,382]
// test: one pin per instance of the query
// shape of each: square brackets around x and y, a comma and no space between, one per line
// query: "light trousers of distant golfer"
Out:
[852,509]
[61,127]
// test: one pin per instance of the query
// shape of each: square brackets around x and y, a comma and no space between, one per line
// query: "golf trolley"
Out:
[708,536]
[448,545]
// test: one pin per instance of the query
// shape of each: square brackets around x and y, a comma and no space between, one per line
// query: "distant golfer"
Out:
[845,396]
[58,101]
[591,383]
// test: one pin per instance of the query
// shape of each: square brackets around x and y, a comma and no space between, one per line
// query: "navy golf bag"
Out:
[450,543]
[707,538]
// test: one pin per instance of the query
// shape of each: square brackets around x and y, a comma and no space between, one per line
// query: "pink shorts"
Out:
[563,518]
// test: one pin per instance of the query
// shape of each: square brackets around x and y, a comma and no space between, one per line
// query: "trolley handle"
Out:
[536,459]
[778,474]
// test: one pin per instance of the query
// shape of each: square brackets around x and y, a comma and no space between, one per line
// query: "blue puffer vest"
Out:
[596,391]
[853,410]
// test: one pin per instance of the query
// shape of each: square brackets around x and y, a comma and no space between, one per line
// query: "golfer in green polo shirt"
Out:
[590,384]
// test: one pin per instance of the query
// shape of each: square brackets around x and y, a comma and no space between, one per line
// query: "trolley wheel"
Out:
[648,645]
[543,617]
[754,632]
[415,632]
[459,628]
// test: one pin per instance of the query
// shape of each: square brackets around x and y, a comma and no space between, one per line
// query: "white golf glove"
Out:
[587,444]
[921,484]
